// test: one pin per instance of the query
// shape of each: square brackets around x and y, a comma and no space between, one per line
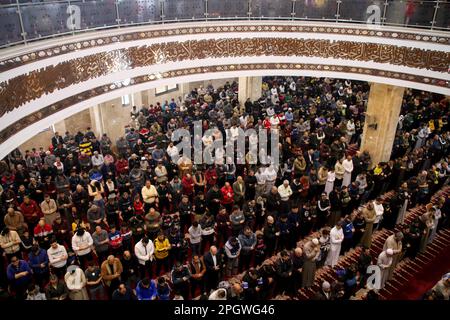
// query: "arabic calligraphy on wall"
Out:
[28,87]
[28,120]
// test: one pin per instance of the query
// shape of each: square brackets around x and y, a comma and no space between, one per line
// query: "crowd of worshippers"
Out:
[86,219]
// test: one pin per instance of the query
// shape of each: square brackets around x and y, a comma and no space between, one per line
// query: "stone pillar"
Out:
[114,118]
[383,111]
[78,122]
[137,100]
[184,89]
[249,87]
[60,127]
[97,120]
[145,97]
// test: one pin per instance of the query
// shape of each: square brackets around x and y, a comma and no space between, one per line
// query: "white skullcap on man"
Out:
[390,252]
[315,241]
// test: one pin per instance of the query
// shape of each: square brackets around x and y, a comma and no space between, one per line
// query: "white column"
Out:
[137,99]
[184,89]
[383,111]
[60,127]
[97,120]
[249,87]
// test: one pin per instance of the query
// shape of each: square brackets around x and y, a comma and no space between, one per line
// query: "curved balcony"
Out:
[24,21]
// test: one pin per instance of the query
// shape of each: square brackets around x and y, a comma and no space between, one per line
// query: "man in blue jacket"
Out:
[38,260]
[146,289]
[348,230]
[19,275]
[248,242]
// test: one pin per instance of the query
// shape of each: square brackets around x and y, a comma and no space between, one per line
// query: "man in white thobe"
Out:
[348,166]
[384,262]
[394,242]
[379,211]
[336,238]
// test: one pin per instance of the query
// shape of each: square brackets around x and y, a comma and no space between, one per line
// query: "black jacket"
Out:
[321,296]
[211,195]
[209,263]
[284,267]
[178,275]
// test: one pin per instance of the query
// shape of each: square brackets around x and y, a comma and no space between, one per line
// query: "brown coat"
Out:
[15,222]
[369,216]
[49,208]
[108,271]
[238,196]
[310,253]
[395,245]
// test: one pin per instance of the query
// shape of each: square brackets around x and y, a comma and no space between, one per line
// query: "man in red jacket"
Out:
[31,212]
[227,196]
[187,184]
[43,233]
[211,177]
[121,165]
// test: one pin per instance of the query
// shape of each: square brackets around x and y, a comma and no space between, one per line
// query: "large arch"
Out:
[55,79]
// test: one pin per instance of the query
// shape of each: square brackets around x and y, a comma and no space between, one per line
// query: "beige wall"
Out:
[42,139]
[78,122]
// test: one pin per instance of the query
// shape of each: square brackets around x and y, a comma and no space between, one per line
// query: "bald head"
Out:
[237,288]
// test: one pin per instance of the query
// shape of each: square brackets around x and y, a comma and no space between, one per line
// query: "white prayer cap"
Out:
[315,241]
[71,269]
[390,252]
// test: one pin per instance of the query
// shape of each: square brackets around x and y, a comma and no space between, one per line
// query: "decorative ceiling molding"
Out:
[30,119]
[28,87]
[51,79]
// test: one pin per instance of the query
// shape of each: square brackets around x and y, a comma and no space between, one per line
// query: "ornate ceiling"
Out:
[34,76]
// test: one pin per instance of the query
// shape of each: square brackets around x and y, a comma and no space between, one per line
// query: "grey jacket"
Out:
[99,238]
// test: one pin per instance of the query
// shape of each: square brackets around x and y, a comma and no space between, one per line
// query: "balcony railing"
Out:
[24,21]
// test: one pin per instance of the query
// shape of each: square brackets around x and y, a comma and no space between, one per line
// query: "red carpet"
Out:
[426,279]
